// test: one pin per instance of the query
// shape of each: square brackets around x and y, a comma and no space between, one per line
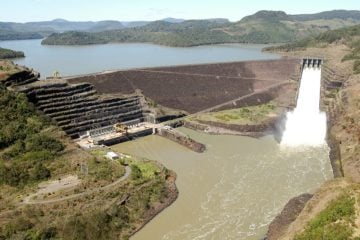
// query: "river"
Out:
[234,189]
[74,60]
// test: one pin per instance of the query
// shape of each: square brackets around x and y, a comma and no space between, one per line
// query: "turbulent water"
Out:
[231,191]
[306,125]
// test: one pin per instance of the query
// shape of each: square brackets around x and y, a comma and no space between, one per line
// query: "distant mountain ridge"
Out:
[63,25]
[334,14]
[261,27]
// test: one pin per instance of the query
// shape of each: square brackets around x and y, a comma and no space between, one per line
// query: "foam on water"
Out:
[306,125]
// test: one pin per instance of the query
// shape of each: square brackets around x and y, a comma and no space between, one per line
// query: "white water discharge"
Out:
[306,125]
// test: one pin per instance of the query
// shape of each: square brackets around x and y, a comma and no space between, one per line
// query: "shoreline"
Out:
[173,195]
[269,126]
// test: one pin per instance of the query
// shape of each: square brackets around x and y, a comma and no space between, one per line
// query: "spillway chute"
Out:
[306,124]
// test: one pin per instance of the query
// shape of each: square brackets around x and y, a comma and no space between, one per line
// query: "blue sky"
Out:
[129,10]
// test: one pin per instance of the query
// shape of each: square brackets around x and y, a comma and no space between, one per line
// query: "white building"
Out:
[112,155]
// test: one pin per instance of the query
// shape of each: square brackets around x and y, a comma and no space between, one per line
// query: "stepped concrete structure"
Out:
[77,108]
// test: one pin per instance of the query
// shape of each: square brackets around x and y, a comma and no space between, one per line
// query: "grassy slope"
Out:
[332,222]
[33,150]
[262,27]
[321,217]
[246,115]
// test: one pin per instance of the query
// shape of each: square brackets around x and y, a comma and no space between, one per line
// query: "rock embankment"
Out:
[289,213]
[251,130]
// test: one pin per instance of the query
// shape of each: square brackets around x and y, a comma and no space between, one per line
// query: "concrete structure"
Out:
[112,155]
[79,110]
[138,99]
[312,62]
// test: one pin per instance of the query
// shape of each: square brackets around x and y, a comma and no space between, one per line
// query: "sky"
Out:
[130,10]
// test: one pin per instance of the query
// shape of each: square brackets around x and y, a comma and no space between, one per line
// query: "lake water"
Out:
[73,60]
[231,191]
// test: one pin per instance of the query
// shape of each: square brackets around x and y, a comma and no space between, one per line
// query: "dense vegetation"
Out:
[25,148]
[348,36]
[11,35]
[188,33]
[338,14]
[262,27]
[334,222]
[7,53]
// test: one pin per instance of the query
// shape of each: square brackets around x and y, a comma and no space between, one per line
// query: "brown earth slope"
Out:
[193,88]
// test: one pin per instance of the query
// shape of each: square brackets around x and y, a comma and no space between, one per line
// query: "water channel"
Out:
[234,189]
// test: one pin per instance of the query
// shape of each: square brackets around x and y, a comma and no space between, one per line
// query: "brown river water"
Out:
[234,189]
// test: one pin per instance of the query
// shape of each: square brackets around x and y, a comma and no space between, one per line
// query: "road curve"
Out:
[30,201]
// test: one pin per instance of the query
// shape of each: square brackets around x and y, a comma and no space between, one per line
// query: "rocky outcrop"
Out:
[289,213]
[25,76]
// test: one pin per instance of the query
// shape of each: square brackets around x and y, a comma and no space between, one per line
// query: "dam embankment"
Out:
[194,88]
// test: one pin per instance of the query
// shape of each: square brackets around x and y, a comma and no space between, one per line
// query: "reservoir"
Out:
[234,189]
[74,60]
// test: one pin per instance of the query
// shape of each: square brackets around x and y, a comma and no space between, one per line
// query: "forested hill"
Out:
[7,53]
[335,14]
[262,27]
[350,36]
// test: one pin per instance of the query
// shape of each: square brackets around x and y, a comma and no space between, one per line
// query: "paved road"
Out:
[29,200]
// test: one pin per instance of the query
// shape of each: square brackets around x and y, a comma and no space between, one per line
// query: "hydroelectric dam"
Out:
[97,106]
[239,184]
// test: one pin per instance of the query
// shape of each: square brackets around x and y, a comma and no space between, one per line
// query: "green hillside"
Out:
[349,36]
[262,27]
[13,35]
[7,53]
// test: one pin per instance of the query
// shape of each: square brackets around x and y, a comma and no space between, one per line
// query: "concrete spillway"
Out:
[306,125]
